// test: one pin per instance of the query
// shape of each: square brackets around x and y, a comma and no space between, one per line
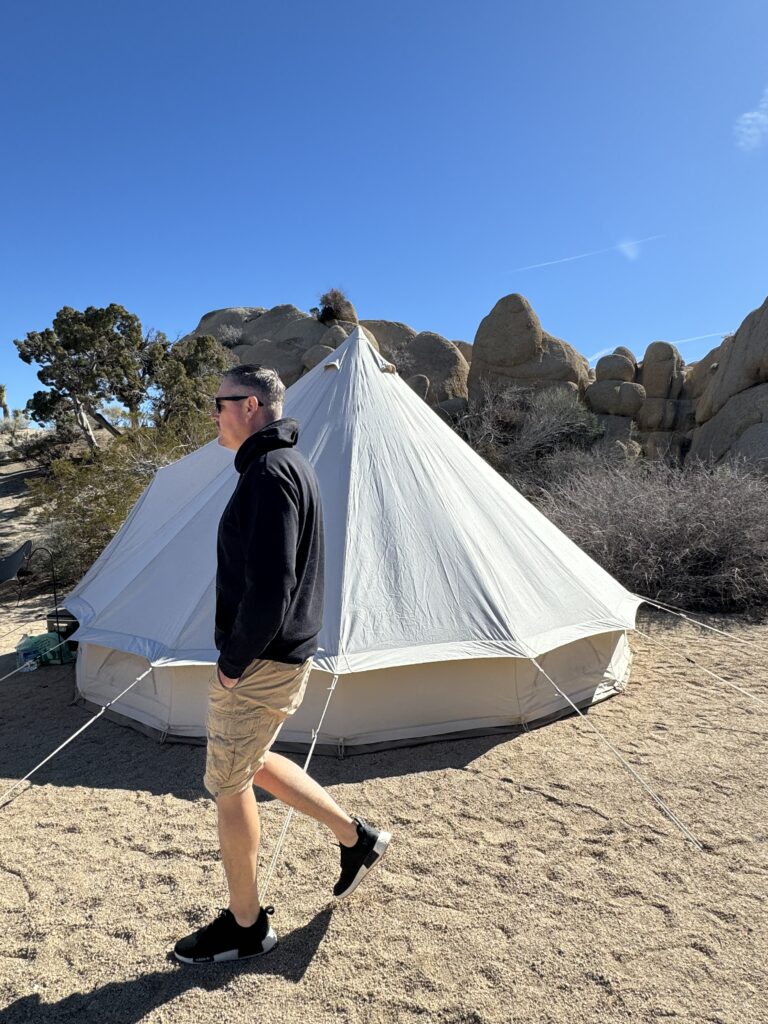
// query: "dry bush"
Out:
[41,448]
[334,305]
[518,431]
[230,335]
[555,420]
[490,422]
[695,537]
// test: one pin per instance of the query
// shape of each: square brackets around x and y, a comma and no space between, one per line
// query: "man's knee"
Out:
[263,774]
[234,798]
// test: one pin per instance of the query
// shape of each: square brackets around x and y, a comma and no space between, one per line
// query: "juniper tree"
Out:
[102,355]
[86,358]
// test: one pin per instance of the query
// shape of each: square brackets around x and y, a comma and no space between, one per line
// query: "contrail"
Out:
[679,341]
[584,255]
[698,337]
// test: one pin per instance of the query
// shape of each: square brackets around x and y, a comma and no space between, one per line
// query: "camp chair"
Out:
[10,564]
[17,566]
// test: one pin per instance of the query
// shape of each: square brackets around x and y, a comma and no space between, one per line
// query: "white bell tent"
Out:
[442,582]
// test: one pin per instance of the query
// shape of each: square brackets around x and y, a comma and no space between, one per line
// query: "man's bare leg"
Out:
[239,832]
[291,784]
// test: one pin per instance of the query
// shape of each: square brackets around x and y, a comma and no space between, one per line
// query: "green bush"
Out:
[82,503]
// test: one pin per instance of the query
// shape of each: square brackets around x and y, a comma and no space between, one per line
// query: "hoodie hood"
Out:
[278,434]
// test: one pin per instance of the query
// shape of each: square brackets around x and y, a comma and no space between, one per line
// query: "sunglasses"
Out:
[231,398]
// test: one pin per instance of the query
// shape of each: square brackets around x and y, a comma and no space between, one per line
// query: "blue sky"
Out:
[180,157]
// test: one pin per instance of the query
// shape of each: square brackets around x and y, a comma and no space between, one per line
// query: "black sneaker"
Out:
[357,860]
[225,939]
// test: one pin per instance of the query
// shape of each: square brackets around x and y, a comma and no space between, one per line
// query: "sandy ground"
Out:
[530,878]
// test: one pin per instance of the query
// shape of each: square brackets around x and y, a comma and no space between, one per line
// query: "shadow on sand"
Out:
[38,716]
[131,1001]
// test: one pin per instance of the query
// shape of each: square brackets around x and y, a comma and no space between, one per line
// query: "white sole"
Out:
[380,847]
[229,955]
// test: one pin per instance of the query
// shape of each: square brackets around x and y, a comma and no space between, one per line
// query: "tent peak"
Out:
[356,346]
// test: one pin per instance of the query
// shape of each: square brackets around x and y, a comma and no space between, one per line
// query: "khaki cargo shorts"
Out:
[243,722]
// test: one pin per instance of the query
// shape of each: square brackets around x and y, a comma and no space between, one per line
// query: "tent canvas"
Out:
[442,582]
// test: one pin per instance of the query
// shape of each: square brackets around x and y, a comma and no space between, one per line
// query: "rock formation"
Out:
[284,337]
[437,359]
[715,409]
[420,384]
[614,391]
[466,350]
[730,390]
[615,397]
[510,347]
[392,337]
[742,363]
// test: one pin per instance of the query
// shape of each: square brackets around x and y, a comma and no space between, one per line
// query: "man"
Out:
[269,605]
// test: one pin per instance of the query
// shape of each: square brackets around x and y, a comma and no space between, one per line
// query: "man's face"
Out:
[238,418]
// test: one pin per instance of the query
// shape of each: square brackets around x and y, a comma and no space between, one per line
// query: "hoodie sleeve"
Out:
[269,518]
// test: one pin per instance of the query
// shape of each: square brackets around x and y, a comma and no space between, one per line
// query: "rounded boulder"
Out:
[439,360]
[615,367]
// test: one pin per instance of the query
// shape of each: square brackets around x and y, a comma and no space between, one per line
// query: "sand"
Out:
[530,878]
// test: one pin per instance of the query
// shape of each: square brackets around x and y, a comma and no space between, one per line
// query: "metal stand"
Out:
[25,570]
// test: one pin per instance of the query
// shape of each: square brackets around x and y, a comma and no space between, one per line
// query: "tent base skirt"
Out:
[375,710]
[341,750]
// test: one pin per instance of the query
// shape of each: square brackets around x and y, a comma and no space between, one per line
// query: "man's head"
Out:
[249,397]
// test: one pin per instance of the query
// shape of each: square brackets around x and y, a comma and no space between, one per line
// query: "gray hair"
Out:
[264,382]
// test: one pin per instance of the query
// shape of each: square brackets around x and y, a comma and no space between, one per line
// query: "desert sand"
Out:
[530,877]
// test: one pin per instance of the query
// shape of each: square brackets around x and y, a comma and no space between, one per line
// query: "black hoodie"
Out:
[269,579]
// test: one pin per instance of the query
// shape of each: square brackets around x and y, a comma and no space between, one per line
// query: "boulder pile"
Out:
[714,409]
[731,395]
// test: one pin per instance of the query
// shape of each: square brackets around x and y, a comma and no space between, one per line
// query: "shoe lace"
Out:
[220,920]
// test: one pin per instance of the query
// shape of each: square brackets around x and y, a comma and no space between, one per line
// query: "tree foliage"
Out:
[83,501]
[153,397]
[86,358]
[185,377]
[102,355]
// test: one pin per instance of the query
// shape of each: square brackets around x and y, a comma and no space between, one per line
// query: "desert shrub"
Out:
[231,335]
[15,420]
[14,427]
[695,537]
[334,305]
[42,448]
[490,422]
[554,420]
[525,434]
[556,466]
[81,503]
